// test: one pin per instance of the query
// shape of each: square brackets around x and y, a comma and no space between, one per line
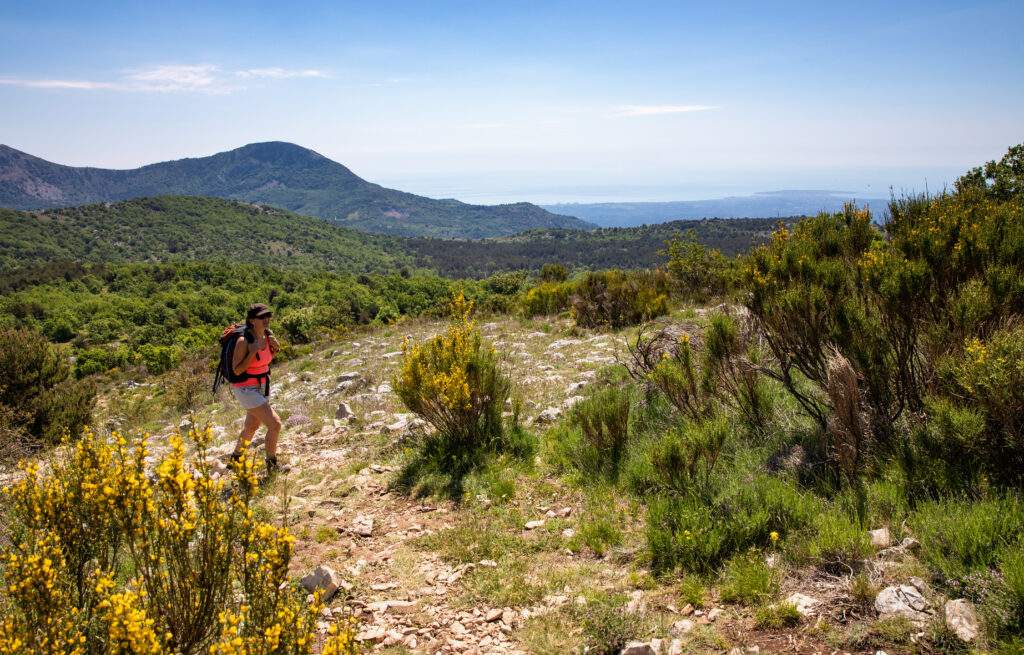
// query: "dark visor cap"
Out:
[258,310]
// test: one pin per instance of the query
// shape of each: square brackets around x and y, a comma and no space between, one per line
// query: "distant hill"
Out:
[772,203]
[178,228]
[275,173]
[196,228]
[605,248]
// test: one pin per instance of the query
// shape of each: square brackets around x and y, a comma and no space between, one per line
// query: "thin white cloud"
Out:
[653,110]
[278,73]
[485,126]
[58,84]
[202,78]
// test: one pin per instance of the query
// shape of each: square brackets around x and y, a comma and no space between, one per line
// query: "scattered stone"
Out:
[493,616]
[489,563]
[323,578]
[638,648]
[549,415]
[961,619]
[688,610]
[568,403]
[574,387]
[398,426]
[879,537]
[344,411]
[363,527]
[568,533]
[384,388]
[681,627]
[372,634]
[905,601]
[348,377]
[562,343]
[675,647]
[715,613]
[804,604]
[533,525]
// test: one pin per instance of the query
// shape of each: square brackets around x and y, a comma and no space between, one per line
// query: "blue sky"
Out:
[542,101]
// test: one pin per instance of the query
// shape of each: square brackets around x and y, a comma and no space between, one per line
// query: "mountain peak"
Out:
[276,173]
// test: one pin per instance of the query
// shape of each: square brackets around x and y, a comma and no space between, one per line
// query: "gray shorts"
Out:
[250,397]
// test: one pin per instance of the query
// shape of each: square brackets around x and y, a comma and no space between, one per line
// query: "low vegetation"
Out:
[847,378]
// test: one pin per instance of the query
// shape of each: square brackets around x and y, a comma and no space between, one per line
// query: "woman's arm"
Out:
[244,353]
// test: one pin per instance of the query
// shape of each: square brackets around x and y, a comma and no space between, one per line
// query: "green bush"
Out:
[675,373]
[697,271]
[553,273]
[546,299]
[730,362]
[959,537]
[838,539]
[603,420]
[457,384]
[39,400]
[747,578]
[777,615]
[698,535]
[684,459]
[616,299]
[607,626]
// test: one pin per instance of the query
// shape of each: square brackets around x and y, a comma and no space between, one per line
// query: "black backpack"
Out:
[228,339]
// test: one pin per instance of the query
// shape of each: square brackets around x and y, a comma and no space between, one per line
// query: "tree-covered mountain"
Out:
[624,248]
[181,228]
[167,229]
[274,173]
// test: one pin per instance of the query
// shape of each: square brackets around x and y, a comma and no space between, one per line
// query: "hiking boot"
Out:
[273,467]
[233,460]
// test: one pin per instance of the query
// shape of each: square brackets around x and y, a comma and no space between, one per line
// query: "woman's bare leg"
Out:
[266,415]
[252,423]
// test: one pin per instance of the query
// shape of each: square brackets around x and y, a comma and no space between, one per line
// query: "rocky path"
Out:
[362,540]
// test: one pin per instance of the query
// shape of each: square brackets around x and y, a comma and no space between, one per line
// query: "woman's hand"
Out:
[272,340]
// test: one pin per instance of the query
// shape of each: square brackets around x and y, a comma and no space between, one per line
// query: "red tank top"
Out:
[259,365]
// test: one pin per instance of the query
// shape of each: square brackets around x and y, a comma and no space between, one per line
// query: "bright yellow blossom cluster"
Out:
[453,381]
[116,553]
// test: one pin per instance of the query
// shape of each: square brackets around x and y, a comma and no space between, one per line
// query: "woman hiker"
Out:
[252,355]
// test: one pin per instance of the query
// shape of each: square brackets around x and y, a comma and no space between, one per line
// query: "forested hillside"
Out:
[180,228]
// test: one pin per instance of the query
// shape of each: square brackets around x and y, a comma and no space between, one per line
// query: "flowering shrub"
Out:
[697,270]
[607,626]
[675,374]
[455,382]
[616,299]
[988,375]
[551,297]
[107,557]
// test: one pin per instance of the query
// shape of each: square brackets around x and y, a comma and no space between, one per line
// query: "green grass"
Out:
[748,579]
